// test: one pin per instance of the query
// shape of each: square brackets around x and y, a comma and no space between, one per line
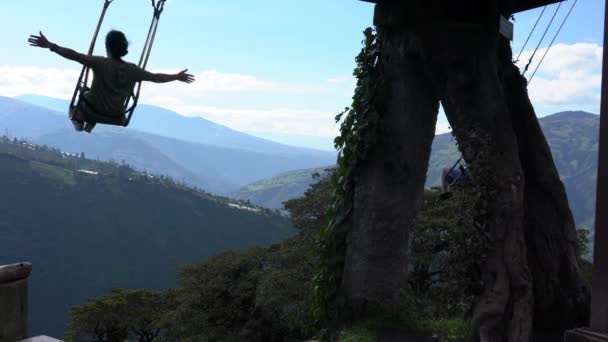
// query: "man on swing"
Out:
[113,78]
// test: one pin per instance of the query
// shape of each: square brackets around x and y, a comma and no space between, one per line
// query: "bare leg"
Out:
[76,118]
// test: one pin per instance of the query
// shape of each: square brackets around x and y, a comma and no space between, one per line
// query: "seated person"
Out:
[454,176]
[113,78]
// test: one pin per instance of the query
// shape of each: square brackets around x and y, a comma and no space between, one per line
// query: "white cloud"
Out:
[569,78]
[570,75]
[185,98]
[279,120]
[53,82]
[212,81]
[342,80]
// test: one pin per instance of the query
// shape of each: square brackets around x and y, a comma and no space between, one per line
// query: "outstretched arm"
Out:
[164,78]
[42,42]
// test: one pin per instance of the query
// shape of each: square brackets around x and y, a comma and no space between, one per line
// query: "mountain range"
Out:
[572,136]
[192,150]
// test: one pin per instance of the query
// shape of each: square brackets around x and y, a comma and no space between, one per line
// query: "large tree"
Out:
[440,52]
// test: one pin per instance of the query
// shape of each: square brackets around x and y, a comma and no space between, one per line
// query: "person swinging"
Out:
[113,79]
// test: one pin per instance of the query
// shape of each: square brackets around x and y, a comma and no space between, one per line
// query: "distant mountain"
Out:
[90,226]
[214,167]
[22,119]
[572,136]
[272,192]
[164,122]
[120,145]
[574,140]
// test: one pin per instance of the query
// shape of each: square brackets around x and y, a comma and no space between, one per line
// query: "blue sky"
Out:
[279,69]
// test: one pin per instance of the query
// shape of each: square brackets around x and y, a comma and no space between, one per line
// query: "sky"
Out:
[276,69]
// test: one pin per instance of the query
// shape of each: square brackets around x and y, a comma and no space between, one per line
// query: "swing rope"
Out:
[83,79]
[145,55]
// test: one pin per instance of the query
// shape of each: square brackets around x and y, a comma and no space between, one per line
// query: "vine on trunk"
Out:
[357,135]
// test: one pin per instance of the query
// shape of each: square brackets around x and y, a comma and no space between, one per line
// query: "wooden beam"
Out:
[599,294]
[511,6]
[14,272]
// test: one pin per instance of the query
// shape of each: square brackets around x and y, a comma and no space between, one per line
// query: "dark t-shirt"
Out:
[113,83]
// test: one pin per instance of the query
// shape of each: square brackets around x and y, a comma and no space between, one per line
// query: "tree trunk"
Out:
[561,296]
[531,276]
[464,66]
[389,184]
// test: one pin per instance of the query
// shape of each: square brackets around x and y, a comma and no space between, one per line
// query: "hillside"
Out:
[90,226]
[572,136]
[213,161]
[272,192]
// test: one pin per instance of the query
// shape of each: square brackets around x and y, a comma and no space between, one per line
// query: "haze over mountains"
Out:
[194,150]
[223,161]
[160,224]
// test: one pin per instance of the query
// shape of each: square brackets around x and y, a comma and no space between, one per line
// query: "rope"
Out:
[83,79]
[552,41]
[145,55]
[542,38]
[531,32]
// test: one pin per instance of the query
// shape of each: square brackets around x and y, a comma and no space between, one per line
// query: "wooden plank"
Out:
[14,272]
[526,5]
[506,28]
[512,6]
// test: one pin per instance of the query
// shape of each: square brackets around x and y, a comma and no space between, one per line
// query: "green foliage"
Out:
[217,297]
[272,192]
[357,334]
[583,252]
[267,294]
[256,295]
[116,227]
[582,242]
[309,212]
[139,314]
[357,136]
[447,255]
[448,330]
[573,138]
[453,330]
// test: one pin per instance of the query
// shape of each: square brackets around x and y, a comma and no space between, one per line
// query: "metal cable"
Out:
[542,38]
[531,32]
[552,41]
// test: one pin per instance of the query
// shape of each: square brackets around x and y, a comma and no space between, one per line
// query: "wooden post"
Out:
[14,301]
[599,295]
[598,331]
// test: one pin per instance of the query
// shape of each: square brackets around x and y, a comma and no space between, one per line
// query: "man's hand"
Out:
[39,41]
[184,77]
